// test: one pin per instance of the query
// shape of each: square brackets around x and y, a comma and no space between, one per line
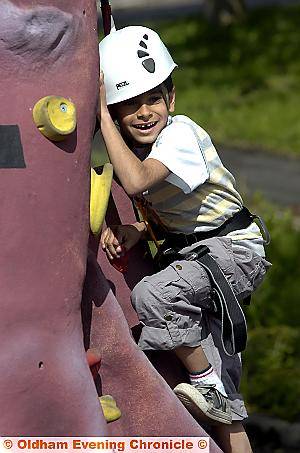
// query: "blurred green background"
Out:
[240,81]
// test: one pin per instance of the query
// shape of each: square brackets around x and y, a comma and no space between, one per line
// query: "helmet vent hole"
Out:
[142,54]
[149,65]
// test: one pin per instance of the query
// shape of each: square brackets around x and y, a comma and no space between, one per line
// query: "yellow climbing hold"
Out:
[100,191]
[55,117]
[110,409]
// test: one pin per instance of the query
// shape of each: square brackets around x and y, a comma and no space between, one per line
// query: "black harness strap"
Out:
[233,322]
[240,220]
[226,305]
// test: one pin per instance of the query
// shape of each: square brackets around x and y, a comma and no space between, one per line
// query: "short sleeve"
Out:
[178,148]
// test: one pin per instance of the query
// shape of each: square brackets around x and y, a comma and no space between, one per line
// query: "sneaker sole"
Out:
[197,406]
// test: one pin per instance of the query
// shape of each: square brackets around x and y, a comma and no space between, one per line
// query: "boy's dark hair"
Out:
[169,84]
[166,88]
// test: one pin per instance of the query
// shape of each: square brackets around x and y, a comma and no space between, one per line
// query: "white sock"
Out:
[206,377]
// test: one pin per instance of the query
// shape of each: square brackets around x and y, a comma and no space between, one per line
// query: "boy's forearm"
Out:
[127,166]
[142,228]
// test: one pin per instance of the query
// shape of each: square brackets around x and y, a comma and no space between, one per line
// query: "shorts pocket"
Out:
[194,283]
[250,272]
[169,282]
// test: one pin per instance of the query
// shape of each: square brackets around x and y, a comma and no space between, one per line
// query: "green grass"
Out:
[271,377]
[241,83]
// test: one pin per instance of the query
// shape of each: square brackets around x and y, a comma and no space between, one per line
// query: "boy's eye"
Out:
[156,99]
[129,102]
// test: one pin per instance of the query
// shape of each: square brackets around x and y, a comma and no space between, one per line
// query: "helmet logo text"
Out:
[122,84]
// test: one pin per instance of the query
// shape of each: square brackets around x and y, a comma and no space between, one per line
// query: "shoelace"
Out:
[211,393]
[206,386]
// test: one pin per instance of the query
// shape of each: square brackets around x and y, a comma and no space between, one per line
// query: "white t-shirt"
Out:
[199,194]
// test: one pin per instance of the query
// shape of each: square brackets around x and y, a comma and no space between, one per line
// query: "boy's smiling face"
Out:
[143,117]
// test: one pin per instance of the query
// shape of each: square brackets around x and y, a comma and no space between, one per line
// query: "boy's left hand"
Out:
[117,239]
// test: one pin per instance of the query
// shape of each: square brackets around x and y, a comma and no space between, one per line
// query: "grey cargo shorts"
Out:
[174,307]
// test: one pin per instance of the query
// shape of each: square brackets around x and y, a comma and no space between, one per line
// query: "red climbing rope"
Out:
[106,16]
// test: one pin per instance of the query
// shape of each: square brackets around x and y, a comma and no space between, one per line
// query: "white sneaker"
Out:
[205,403]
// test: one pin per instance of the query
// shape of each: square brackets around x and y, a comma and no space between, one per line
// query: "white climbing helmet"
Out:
[134,60]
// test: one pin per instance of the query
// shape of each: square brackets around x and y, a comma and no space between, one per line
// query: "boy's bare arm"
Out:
[134,175]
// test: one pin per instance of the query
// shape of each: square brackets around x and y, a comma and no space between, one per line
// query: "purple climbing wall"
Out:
[46,48]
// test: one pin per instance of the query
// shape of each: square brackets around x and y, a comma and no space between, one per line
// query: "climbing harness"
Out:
[151,220]
[226,306]
[242,219]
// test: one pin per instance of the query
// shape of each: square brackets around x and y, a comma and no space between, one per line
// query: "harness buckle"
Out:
[196,253]
[265,232]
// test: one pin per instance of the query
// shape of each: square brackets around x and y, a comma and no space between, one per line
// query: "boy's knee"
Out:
[140,296]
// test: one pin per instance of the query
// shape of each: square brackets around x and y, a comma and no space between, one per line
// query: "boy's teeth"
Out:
[144,126]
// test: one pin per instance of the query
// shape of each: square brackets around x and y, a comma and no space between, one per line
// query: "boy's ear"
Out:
[172,100]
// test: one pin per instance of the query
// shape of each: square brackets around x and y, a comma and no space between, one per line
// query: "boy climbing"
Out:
[170,167]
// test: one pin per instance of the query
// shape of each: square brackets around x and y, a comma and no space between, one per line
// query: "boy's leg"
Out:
[169,304]
[205,397]
[170,307]
[232,438]
[200,370]
[193,359]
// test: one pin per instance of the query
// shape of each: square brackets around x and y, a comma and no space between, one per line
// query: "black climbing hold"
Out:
[145,36]
[11,149]
[143,44]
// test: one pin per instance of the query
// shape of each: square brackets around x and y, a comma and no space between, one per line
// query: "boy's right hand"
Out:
[118,239]
[102,105]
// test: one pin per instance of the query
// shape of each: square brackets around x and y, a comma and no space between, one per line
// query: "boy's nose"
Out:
[144,112]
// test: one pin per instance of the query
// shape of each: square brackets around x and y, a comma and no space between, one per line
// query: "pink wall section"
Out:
[45,383]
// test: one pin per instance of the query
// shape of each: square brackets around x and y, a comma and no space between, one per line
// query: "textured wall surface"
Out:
[46,48]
